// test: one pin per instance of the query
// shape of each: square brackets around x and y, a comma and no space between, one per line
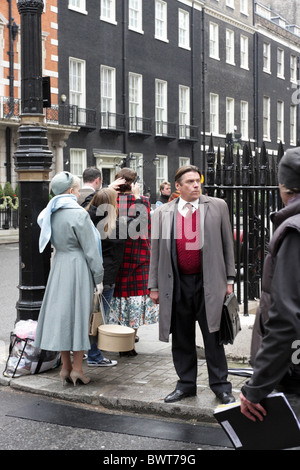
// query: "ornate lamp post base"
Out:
[33,161]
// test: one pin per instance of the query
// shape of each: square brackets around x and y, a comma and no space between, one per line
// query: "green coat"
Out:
[76,268]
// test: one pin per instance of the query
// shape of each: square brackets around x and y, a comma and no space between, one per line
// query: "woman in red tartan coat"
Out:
[131,303]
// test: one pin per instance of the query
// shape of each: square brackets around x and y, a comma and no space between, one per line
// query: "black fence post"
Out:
[245,192]
[218,168]
[210,167]
[237,228]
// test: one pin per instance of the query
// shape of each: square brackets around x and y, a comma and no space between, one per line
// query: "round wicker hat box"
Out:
[115,338]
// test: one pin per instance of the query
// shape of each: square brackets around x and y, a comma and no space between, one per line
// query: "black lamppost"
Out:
[13,31]
[33,161]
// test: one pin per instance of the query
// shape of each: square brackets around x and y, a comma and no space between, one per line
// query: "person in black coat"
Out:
[103,212]
[277,360]
[102,209]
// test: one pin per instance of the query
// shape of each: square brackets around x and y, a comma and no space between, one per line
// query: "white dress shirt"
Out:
[182,206]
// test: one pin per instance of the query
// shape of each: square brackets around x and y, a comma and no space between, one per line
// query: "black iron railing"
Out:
[71,115]
[63,114]
[187,132]
[9,218]
[112,122]
[165,129]
[139,125]
[248,183]
[10,108]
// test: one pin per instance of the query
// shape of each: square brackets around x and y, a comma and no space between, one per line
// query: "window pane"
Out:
[229,46]
[280,108]
[214,114]
[280,62]
[160,19]
[244,120]
[76,80]
[135,14]
[160,105]
[293,125]
[266,57]
[244,52]
[183,28]
[77,161]
[229,115]
[214,40]
[161,171]
[266,117]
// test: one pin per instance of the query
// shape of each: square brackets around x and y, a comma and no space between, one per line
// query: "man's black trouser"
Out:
[189,309]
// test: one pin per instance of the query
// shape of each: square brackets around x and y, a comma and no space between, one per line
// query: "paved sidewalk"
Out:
[139,384]
[9,236]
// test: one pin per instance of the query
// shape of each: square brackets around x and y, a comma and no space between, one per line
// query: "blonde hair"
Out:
[107,198]
[76,182]
[162,186]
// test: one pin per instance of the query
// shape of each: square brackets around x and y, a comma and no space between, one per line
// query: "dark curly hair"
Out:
[129,175]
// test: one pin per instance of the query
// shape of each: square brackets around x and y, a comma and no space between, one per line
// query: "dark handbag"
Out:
[230,320]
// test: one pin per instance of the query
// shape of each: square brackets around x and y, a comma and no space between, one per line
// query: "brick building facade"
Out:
[145,83]
[163,76]
[10,103]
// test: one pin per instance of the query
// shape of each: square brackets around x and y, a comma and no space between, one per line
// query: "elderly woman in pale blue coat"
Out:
[76,270]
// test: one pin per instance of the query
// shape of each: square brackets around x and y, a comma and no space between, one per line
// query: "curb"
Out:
[110,389]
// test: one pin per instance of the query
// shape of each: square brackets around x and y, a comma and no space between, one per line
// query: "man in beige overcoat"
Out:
[191,270]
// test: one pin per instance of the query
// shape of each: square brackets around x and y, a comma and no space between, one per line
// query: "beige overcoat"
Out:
[217,261]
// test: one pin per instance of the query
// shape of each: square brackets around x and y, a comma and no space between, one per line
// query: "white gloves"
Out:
[99,288]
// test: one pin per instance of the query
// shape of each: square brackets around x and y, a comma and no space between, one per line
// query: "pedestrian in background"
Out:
[276,332]
[131,303]
[92,182]
[174,195]
[76,270]
[191,270]
[165,192]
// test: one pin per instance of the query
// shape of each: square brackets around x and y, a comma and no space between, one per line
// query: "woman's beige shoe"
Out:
[80,377]
[65,376]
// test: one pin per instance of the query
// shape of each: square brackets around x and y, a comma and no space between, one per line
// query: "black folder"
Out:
[280,429]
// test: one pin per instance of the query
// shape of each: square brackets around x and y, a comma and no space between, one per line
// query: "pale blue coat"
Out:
[76,269]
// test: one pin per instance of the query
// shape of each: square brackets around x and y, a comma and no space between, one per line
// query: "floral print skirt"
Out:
[133,311]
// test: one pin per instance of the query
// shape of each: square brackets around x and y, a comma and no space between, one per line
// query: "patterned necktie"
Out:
[189,207]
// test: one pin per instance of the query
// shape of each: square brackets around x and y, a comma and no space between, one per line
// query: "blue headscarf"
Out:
[62,201]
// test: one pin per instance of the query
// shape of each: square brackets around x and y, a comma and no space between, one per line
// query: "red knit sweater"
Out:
[188,243]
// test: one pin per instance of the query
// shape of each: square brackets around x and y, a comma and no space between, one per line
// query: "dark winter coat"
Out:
[283,221]
[112,249]
[277,327]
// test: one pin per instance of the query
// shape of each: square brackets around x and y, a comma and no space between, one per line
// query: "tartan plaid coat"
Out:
[132,277]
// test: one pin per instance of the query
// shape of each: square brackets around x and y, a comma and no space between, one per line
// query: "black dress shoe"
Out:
[178,395]
[226,398]
[128,353]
